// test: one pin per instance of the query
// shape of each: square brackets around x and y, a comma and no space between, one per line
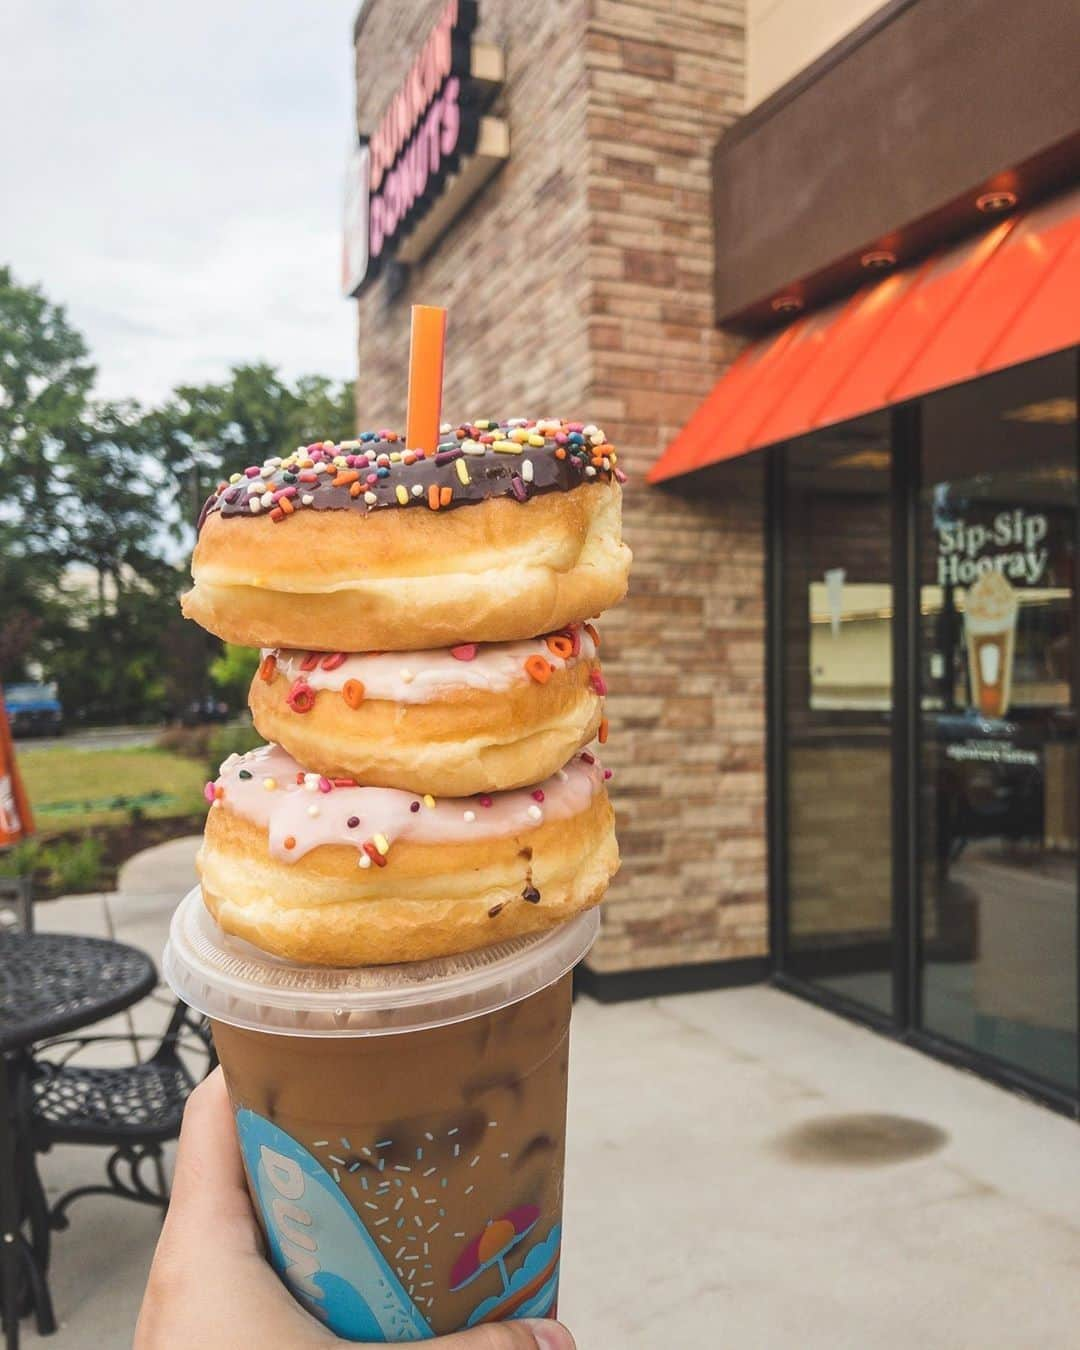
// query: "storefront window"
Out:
[838,698]
[993,885]
[998,764]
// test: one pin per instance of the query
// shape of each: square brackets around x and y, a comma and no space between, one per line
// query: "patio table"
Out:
[50,984]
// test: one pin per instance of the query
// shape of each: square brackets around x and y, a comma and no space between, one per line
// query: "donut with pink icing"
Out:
[334,873]
[475,717]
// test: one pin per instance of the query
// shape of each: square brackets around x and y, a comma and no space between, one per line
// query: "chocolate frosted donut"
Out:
[368,875]
[508,530]
[472,718]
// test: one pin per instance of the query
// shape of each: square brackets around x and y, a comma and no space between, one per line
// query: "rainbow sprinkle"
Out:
[378,470]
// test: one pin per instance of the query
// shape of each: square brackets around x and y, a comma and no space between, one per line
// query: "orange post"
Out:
[426,348]
[16,821]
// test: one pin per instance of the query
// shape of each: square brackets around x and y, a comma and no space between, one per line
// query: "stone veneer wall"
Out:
[580,285]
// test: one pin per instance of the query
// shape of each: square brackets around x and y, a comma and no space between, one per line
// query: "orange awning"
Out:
[1006,296]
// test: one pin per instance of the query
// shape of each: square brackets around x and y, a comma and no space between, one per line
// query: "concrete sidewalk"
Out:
[743,1170]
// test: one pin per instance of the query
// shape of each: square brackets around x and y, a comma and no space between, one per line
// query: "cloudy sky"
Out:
[172,174]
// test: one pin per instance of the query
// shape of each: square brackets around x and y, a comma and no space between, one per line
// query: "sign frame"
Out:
[431,151]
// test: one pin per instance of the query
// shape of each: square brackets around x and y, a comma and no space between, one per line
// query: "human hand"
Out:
[211,1286]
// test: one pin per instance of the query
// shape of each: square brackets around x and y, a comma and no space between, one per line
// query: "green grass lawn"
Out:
[69,789]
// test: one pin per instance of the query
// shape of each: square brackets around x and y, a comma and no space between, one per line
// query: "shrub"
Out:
[67,865]
[191,742]
[22,860]
[75,865]
[233,739]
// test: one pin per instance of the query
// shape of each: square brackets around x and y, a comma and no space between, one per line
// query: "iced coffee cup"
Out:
[402,1127]
[990,612]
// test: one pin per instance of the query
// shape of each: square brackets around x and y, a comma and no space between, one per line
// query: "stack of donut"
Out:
[429,684]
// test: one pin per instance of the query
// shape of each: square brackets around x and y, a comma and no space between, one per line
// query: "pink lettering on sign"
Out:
[435,141]
[417,92]
[451,120]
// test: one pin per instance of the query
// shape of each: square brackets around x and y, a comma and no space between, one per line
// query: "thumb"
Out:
[209,1194]
[526,1334]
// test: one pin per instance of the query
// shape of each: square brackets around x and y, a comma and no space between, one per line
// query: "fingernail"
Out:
[549,1335]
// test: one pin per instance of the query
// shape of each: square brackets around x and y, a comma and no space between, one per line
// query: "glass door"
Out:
[837,612]
[998,769]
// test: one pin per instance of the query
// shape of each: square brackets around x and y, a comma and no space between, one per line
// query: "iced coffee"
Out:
[402,1129]
[990,612]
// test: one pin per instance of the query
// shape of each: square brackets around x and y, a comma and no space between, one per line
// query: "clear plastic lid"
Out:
[231,981]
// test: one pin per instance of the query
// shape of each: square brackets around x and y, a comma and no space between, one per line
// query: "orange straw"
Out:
[426,348]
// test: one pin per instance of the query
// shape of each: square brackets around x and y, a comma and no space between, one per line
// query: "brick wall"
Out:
[581,285]
[511,269]
[686,653]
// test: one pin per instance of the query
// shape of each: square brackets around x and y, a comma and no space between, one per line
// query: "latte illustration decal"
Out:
[531,1290]
[990,614]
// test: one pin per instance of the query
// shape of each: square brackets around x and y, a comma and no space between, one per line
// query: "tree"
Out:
[205,432]
[109,502]
[97,496]
[114,589]
[45,379]
[326,410]
[24,605]
[232,672]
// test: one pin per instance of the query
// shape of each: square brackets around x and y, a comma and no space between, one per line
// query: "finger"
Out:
[209,1274]
[209,1185]
[524,1335]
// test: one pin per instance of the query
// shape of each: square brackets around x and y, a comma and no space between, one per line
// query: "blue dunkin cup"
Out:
[402,1127]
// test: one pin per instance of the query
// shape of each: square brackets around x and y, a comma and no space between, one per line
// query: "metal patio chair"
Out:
[134,1110]
[16,905]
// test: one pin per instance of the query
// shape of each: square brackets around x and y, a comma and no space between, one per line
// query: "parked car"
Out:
[202,710]
[34,710]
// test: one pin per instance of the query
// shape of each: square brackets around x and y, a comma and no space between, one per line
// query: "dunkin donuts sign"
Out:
[395,178]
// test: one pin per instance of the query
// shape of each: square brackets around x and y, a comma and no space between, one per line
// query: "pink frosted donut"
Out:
[451,721]
[346,875]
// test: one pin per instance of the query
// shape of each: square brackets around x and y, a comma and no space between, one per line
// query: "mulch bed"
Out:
[120,842]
